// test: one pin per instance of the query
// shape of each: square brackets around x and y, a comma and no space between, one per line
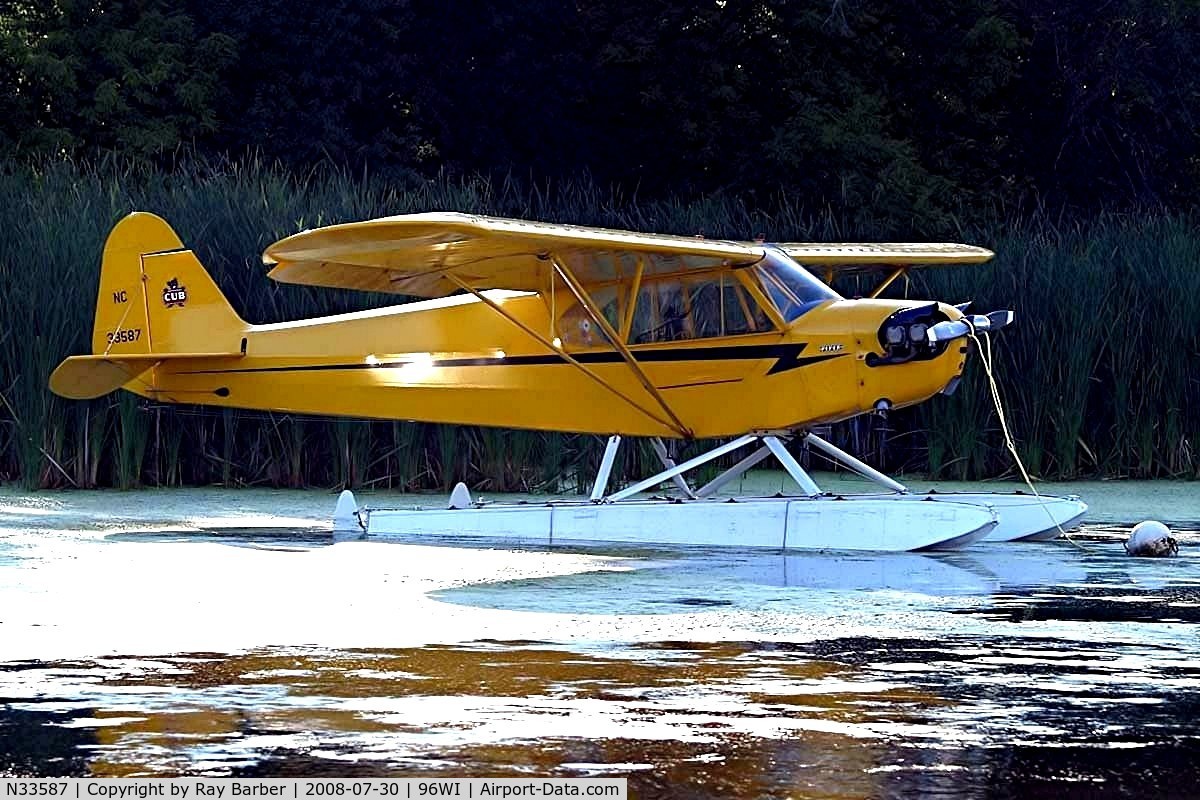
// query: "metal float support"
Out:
[606,465]
[853,463]
[772,444]
[779,450]
[691,463]
[665,457]
[734,472]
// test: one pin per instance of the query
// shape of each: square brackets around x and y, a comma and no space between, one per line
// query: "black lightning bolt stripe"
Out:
[787,357]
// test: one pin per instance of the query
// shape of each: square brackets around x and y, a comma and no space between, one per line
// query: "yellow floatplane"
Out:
[565,328]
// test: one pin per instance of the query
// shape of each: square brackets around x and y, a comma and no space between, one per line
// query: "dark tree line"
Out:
[902,110]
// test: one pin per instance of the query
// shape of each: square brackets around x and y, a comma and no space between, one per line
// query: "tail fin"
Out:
[155,297]
[155,302]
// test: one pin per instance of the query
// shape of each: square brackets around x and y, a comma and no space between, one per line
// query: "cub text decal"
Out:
[174,294]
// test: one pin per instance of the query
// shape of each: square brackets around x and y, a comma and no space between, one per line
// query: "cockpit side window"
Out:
[741,312]
[672,310]
[792,288]
[576,327]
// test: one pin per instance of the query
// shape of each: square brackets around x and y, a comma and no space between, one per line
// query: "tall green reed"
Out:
[1097,373]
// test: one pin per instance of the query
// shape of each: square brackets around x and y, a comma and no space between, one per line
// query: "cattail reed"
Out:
[1097,374]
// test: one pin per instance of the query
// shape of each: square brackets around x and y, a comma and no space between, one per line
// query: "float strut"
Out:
[853,463]
[733,473]
[691,463]
[792,466]
[606,465]
[665,457]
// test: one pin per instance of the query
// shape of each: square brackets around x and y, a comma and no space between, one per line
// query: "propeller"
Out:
[945,331]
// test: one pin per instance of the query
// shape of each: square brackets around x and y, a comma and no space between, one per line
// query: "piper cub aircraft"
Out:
[574,329]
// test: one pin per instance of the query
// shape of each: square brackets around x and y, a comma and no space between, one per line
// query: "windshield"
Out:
[792,288]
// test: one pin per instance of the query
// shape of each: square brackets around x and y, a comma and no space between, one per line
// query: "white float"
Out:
[1022,517]
[898,520]
[784,523]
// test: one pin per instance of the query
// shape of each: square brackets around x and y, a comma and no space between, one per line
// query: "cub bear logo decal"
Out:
[174,294]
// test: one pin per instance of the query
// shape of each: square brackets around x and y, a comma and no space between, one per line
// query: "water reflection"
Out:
[836,718]
[456,709]
[1001,671]
[755,579]
[236,536]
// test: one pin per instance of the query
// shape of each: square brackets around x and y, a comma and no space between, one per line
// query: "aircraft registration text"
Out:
[125,335]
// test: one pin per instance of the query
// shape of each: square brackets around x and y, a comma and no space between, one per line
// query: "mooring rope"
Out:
[985,355]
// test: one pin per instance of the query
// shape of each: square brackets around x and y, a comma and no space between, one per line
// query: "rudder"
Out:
[156,297]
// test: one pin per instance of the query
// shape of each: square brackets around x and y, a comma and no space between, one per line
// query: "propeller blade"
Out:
[945,331]
[999,319]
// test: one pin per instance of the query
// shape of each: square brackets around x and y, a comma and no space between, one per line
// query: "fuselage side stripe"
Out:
[787,357]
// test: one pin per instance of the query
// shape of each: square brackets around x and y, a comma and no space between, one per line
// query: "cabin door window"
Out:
[673,310]
[576,328]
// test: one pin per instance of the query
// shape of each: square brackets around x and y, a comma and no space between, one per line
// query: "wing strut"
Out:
[585,301]
[890,279]
[492,304]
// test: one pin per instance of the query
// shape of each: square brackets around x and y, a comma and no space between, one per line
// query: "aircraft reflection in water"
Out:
[681,581]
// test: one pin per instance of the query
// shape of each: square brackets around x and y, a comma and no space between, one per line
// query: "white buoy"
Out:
[460,496]
[1151,538]
[345,514]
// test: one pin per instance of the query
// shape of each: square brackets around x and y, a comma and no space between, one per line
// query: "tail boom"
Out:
[156,303]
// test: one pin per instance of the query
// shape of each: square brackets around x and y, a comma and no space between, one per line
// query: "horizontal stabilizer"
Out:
[88,377]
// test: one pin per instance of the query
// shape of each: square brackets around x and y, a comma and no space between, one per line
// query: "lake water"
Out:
[225,633]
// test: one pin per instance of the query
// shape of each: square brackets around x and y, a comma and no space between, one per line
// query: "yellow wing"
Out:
[416,254]
[837,259]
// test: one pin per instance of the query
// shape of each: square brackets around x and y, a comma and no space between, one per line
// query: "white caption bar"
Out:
[325,788]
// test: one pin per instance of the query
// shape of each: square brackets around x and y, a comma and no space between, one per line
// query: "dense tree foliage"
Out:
[134,77]
[901,111]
